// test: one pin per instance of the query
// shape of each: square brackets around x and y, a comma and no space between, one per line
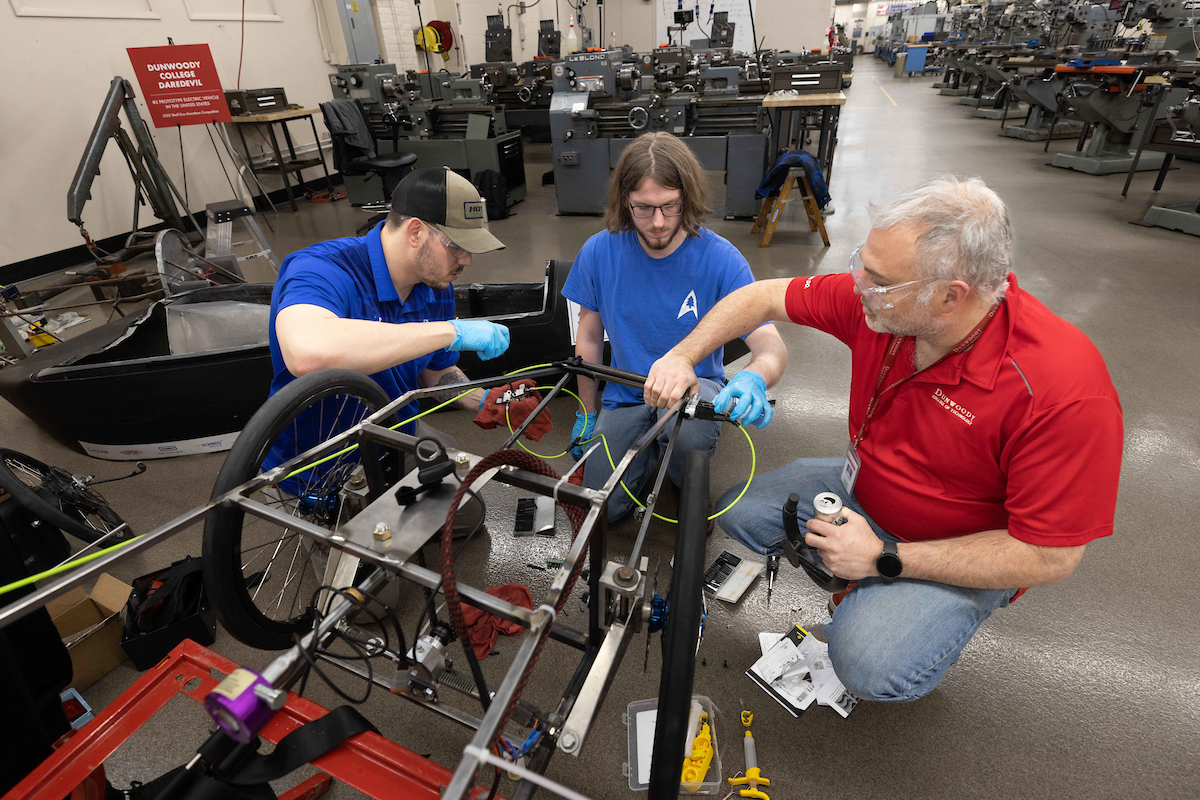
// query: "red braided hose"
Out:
[574,513]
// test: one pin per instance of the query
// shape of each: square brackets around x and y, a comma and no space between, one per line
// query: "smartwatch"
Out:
[888,564]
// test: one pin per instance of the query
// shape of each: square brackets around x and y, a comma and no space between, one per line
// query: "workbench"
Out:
[280,166]
[799,106]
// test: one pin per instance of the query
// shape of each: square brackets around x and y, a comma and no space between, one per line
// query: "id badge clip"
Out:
[850,469]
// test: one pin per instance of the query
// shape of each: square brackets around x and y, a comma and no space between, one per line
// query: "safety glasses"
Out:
[880,298]
[456,251]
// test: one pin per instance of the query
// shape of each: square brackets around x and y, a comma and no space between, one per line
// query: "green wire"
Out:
[61,568]
[753,458]
[85,559]
[736,500]
[405,422]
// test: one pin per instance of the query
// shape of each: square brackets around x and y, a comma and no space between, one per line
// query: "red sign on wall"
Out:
[179,84]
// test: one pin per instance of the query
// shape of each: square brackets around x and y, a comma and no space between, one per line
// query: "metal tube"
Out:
[285,669]
[468,768]
[70,580]
[658,482]
[540,407]
[420,575]
[149,155]
[89,166]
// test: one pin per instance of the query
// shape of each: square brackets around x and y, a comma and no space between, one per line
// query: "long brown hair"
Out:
[668,162]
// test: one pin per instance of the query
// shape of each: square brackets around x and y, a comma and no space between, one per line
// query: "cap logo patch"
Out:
[473,210]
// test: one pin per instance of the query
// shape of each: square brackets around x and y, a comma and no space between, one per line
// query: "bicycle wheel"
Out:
[681,636]
[59,498]
[260,577]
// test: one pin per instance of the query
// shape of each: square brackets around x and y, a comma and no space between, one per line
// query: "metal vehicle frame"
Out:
[617,606]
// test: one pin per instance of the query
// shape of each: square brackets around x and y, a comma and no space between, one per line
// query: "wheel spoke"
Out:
[287,581]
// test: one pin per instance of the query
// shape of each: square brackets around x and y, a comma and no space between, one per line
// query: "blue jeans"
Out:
[623,426]
[888,640]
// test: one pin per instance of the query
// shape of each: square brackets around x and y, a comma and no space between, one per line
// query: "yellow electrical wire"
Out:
[607,452]
[85,559]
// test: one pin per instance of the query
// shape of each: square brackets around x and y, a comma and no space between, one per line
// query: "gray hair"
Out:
[965,233]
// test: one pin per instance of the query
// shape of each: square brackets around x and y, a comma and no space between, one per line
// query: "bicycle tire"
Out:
[59,516]
[681,636]
[224,580]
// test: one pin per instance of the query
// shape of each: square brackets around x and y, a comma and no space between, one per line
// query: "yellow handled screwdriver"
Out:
[752,778]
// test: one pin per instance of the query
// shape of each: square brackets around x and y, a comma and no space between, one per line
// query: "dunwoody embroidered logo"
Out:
[943,400]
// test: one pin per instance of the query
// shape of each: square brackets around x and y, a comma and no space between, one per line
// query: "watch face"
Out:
[889,566]
[888,563]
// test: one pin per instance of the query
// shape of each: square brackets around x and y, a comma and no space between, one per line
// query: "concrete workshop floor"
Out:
[1084,689]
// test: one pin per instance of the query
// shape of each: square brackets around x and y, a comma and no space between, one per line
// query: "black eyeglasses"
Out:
[645,212]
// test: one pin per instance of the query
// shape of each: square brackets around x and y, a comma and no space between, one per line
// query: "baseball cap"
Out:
[448,201]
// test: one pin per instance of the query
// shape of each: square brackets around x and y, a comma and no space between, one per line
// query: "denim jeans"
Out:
[623,426]
[888,640]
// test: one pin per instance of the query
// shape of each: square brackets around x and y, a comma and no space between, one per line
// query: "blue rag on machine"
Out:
[773,180]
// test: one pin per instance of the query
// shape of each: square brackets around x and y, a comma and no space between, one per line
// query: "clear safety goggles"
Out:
[880,298]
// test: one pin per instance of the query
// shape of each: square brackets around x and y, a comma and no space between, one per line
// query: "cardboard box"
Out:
[200,625]
[91,628]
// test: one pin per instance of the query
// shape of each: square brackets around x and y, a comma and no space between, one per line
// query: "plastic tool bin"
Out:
[712,784]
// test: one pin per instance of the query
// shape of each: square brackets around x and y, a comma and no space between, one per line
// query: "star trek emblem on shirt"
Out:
[689,306]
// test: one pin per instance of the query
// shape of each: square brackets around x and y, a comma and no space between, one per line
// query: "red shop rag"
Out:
[483,628]
[492,413]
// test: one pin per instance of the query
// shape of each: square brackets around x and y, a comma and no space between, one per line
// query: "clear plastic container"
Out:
[711,786]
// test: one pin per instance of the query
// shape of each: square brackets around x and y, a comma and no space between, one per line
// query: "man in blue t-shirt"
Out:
[383,304]
[647,280]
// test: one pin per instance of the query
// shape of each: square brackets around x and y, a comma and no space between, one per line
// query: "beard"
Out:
[660,241]
[429,269]
[919,322]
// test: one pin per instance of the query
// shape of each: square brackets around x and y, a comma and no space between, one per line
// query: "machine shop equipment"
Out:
[497,40]
[1036,84]
[721,30]
[524,90]
[1114,103]
[373,84]
[599,105]
[668,63]
[549,40]
[442,119]
[1171,24]
[1175,133]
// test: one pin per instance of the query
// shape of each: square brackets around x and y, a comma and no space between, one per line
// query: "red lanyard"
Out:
[889,359]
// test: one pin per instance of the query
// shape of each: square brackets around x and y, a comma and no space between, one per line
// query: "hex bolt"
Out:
[569,742]
[625,576]
[357,481]
[382,532]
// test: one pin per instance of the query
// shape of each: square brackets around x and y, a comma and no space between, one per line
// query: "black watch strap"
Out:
[888,564]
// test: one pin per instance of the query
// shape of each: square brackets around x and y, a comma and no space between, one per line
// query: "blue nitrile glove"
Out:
[749,391]
[486,338]
[585,428]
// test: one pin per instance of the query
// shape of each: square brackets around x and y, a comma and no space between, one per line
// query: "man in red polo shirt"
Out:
[985,435]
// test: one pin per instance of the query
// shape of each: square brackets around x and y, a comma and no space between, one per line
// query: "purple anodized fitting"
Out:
[243,703]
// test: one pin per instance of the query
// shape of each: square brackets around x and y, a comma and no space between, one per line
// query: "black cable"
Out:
[183,162]
[242,47]
[753,32]
[424,43]
[476,672]
[495,785]
[310,653]
[220,160]
[433,595]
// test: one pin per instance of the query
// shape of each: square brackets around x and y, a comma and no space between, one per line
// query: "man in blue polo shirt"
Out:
[647,280]
[383,304]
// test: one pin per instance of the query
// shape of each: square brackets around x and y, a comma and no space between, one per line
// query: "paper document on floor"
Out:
[795,670]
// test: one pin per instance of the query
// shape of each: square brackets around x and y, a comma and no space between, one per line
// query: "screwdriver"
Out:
[772,571]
